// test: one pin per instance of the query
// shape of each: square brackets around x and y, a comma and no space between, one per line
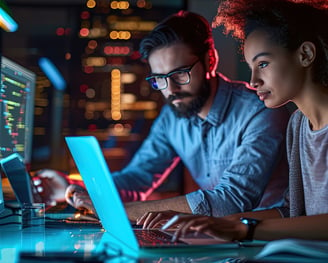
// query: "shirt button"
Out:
[208,175]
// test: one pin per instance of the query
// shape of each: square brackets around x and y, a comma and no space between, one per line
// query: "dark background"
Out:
[51,28]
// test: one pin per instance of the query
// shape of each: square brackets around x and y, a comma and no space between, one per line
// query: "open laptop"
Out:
[105,197]
[25,191]
[14,168]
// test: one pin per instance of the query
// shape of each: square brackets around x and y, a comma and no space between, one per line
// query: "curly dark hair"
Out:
[183,27]
[288,22]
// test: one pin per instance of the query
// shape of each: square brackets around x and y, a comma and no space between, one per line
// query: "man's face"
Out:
[185,99]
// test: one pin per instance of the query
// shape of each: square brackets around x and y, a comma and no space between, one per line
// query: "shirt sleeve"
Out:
[151,164]
[241,187]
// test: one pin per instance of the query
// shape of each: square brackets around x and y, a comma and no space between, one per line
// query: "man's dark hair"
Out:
[183,27]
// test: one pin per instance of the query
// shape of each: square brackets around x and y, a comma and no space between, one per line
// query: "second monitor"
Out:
[16,109]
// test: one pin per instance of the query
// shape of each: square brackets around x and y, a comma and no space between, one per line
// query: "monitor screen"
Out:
[16,109]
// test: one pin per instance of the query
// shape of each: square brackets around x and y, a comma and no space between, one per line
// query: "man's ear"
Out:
[211,62]
[307,53]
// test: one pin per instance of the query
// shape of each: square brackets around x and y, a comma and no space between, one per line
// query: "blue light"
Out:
[52,73]
[7,22]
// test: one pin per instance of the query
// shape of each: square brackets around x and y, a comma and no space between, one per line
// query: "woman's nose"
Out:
[255,82]
[254,85]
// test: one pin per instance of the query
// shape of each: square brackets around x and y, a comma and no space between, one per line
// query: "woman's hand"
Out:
[220,228]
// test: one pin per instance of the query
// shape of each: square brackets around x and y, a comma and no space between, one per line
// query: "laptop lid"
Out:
[14,168]
[97,178]
[26,191]
[105,197]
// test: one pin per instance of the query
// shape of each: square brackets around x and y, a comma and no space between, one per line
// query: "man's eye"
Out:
[263,64]
[179,73]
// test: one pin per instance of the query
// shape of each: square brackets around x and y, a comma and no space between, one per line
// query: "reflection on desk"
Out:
[94,245]
[39,243]
[86,245]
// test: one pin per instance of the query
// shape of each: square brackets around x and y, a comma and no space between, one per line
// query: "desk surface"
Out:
[70,245]
[43,241]
[85,244]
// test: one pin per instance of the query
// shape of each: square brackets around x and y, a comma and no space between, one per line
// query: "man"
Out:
[231,144]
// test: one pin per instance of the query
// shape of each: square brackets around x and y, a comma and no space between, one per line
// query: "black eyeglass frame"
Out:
[168,75]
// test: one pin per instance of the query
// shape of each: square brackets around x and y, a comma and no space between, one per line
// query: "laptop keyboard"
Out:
[154,237]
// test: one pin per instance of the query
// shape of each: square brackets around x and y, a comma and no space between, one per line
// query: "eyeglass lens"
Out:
[178,77]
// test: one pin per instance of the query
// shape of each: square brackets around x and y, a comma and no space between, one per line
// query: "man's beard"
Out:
[193,107]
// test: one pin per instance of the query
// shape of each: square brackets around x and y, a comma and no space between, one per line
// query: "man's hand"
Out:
[78,197]
[156,219]
[136,210]
[50,185]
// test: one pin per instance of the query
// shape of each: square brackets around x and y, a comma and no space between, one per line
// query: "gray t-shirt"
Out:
[314,163]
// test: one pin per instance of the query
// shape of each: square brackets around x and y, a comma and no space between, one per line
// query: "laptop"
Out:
[15,170]
[25,191]
[107,202]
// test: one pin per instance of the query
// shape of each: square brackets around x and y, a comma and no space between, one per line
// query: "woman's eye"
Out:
[263,64]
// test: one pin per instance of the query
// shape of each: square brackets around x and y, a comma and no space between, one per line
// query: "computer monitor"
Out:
[16,109]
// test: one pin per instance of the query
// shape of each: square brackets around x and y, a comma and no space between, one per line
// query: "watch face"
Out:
[249,221]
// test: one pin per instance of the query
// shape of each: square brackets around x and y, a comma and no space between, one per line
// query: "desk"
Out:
[72,245]
[87,245]
[71,241]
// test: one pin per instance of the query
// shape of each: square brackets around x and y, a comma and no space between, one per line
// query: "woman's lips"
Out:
[263,95]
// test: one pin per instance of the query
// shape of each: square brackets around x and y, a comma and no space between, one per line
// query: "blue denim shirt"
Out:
[231,155]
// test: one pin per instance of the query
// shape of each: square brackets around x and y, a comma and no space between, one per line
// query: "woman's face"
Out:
[277,73]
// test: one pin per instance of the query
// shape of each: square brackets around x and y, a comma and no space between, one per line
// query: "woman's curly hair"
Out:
[288,22]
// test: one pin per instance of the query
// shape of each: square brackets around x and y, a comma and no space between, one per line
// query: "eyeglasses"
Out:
[180,77]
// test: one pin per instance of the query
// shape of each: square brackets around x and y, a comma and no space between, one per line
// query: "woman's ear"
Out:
[307,53]
[211,63]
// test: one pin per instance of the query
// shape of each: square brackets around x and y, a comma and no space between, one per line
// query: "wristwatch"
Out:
[251,224]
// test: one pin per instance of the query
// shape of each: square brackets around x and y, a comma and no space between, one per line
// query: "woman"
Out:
[285,44]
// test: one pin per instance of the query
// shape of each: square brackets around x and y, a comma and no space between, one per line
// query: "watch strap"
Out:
[251,224]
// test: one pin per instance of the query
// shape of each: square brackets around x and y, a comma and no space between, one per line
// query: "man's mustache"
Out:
[178,96]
